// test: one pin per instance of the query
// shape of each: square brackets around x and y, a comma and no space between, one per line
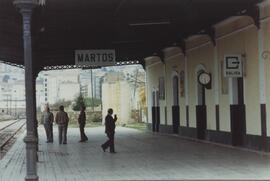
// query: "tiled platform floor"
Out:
[140,156]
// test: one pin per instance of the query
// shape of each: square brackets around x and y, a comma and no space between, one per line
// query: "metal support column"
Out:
[26,7]
[92,91]
[35,111]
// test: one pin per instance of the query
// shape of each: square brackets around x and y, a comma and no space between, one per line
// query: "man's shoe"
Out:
[103,148]
[65,143]
[112,152]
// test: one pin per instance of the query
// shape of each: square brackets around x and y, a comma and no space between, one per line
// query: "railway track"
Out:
[8,132]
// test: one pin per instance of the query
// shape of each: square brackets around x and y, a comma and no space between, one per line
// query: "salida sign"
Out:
[232,66]
[95,57]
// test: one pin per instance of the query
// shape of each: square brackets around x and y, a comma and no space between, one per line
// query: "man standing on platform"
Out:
[110,131]
[62,120]
[47,120]
[81,121]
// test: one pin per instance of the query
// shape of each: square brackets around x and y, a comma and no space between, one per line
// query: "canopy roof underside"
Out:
[135,28]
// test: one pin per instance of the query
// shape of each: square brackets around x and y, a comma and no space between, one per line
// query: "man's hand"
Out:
[115,117]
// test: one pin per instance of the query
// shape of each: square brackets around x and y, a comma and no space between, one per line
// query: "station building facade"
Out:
[229,110]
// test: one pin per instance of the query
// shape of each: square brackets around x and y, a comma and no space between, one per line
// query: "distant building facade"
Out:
[116,94]
[122,92]
[60,85]
[87,86]
[68,91]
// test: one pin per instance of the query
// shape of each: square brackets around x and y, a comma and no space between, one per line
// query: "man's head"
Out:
[110,111]
[61,108]
[83,108]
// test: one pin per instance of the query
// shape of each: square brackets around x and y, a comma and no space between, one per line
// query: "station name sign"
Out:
[101,57]
[233,66]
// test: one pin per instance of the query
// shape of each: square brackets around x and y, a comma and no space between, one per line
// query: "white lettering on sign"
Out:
[232,66]
[95,57]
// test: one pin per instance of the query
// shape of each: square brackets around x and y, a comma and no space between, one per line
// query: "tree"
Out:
[89,102]
[142,97]
[62,102]
[79,102]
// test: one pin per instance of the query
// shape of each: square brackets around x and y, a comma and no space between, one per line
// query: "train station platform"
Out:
[140,156]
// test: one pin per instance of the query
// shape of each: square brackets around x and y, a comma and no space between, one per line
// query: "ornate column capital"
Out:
[25,6]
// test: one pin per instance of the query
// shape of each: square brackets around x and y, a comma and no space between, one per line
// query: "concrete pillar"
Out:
[261,66]
[262,82]
[166,91]
[216,86]
[216,76]
[26,7]
[186,90]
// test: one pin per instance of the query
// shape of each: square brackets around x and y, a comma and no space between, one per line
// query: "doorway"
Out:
[155,111]
[175,107]
[238,113]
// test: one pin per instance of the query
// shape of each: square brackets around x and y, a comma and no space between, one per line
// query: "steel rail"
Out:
[9,124]
[11,136]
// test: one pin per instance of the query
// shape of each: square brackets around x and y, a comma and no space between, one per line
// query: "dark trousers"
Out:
[62,130]
[109,142]
[83,136]
[49,132]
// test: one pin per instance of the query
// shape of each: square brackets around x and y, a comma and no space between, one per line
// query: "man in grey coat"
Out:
[47,120]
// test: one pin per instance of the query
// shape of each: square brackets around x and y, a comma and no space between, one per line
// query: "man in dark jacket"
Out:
[109,130]
[81,120]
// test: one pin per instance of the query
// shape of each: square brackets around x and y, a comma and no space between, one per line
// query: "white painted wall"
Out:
[118,97]
[238,36]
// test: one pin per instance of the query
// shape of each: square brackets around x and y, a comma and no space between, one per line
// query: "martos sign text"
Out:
[95,57]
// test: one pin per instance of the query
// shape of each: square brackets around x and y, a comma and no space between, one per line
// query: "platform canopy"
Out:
[134,28]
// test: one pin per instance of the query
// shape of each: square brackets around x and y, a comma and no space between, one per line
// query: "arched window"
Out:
[182,84]
[200,91]
[175,90]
